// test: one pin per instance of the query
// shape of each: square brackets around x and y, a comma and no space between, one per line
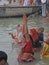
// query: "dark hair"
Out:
[41,28]
[3,56]
[18,25]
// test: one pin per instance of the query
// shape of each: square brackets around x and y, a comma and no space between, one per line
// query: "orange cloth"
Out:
[34,37]
[45,53]
[34,34]
[32,30]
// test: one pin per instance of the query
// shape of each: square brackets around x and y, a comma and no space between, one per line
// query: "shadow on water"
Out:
[6,42]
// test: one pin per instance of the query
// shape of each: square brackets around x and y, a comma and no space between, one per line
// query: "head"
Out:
[41,30]
[32,31]
[3,58]
[19,27]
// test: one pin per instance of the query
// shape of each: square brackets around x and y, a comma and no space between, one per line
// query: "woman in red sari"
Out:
[35,39]
[26,53]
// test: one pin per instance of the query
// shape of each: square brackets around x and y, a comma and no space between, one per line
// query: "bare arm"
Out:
[25,28]
[13,36]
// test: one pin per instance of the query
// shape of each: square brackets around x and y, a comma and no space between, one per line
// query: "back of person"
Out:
[41,37]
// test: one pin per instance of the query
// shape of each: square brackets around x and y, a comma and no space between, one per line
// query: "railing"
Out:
[8,11]
[19,6]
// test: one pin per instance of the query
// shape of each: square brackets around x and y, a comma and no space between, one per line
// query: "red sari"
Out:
[28,47]
[27,54]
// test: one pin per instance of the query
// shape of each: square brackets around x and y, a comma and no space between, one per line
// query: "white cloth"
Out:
[43,1]
[26,3]
[43,9]
[20,36]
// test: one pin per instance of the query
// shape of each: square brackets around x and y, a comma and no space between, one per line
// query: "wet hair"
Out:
[3,56]
[18,25]
[41,28]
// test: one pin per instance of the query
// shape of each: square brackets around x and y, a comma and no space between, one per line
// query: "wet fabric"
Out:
[27,57]
[28,48]
[45,53]
[41,37]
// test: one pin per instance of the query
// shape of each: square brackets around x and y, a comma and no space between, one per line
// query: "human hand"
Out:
[24,18]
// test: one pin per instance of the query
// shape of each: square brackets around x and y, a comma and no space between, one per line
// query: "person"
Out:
[21,2]
[30,2]
[26,53]
[33,33]
[17,37]
[41,35]
[35,39]
[3,58]
[26,3]
[38,2]
[43,3]
[45,53]
[19,32]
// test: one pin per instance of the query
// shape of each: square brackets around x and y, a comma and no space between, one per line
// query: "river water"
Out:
[6,42]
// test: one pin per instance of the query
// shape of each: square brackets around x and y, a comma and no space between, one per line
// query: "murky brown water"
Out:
[6,42]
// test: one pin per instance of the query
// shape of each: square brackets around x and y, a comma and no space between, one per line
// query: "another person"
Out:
[35,39]
[45,53]
[3,58]
[43,3]
[41,35]
[17,37]
[34,34]
[26,3]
